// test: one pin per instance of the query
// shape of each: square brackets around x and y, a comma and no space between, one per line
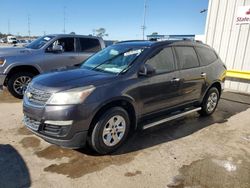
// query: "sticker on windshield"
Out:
[47,38]
[113,52]
[113,69]
[132,52]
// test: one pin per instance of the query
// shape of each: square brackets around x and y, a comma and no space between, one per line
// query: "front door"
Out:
[161,90]
[61,60]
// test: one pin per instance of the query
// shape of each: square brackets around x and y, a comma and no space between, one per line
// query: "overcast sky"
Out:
[121,18]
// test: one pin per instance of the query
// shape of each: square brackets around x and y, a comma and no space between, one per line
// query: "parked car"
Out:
[124,87]
[2,40]
[11,39]
[19,65]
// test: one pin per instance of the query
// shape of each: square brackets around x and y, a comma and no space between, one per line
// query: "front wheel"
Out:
[18,83]
[210,102]
[110,131]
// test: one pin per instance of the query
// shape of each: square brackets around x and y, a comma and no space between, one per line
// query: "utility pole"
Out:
[144,19]
[64,19]
[29,25]
[8,26]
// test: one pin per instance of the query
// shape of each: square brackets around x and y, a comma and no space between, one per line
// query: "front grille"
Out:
[37,96]
[31,123]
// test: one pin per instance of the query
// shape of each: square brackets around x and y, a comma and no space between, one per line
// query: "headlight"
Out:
[2,60]
[73,96]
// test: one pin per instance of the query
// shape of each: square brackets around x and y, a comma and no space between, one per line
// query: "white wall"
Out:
[231,41]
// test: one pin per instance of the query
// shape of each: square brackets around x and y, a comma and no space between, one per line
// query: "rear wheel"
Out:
[210,102]
[110,131]
[18,82]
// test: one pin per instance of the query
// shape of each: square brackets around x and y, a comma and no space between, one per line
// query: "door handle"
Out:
[203,74]
[175,80]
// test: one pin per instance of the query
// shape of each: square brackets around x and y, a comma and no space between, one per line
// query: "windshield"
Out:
[40,42]
[113,59]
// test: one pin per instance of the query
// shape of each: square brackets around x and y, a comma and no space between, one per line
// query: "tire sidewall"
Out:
[12,79]
[97,134]
[205,101]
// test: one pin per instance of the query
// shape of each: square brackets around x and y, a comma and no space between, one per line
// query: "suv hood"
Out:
[14,51]
[59,81]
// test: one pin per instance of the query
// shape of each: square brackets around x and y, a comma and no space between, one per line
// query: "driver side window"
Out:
[163,61]
[68,44]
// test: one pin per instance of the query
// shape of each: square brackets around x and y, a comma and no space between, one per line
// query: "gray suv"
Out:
[124,87]
[51,52]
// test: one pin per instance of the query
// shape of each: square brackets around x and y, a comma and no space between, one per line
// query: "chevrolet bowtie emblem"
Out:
[29,95]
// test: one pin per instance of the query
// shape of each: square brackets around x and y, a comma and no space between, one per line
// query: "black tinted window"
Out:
[89,45]
[206,55]
[187,57]
[162,61]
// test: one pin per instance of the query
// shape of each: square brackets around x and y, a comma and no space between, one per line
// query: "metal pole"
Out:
[144,19]
[29,25]
[8,26]
[64,19]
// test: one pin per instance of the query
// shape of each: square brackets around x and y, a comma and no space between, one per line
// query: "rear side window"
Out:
[187,57]
[162,61]
[89,45]
[206,55]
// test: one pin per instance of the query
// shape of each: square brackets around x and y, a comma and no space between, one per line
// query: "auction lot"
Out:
[190,152]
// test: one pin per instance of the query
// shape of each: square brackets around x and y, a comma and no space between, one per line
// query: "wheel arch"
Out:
[22,68]
[217,84]
[124,102]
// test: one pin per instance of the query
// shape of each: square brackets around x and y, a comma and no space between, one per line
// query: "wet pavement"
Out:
[216,173]
[192,151]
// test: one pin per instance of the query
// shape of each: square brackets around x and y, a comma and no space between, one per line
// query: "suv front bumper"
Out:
[66,126]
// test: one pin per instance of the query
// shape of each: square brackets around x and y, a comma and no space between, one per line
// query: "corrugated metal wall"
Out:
[231,41]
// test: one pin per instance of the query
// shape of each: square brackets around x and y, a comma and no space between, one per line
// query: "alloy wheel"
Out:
[20,84]
[114,130]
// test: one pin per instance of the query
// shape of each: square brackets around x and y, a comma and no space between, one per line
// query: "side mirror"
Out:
[57,49]
[146,70]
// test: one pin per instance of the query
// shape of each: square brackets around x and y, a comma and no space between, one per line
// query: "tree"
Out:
[101,32]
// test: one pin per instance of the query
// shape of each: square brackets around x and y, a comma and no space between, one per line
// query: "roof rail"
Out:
[130,41]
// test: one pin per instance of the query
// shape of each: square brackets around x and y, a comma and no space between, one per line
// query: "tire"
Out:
[99,140]
[210,102]
[26,77]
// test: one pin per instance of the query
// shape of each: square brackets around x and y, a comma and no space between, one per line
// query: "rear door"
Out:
[160,91]
[191,78]
[87,47]
[69,56]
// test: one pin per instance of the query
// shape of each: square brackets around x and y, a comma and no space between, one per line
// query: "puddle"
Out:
[131,174]
[6,97]
[214,173]
[30,142]
[24,131]
[80,164]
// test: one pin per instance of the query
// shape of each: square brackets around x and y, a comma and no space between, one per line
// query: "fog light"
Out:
[61,123]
